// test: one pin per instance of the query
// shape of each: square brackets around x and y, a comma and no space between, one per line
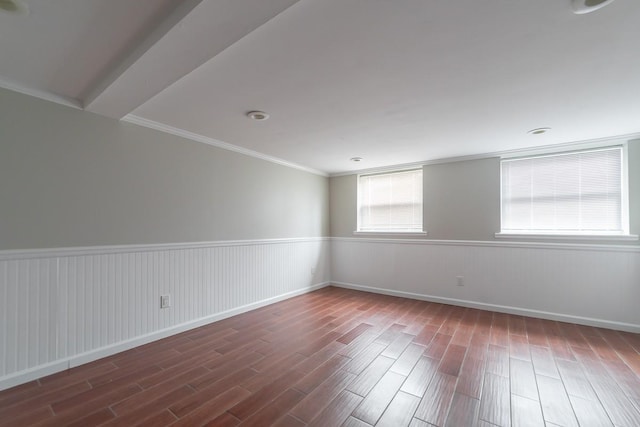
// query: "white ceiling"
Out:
[392,81]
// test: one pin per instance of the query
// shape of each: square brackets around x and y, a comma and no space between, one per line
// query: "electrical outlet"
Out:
[460,280]
[165,301]
[313,271]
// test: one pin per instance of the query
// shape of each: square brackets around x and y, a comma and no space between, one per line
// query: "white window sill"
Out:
[566,236]
[390,233]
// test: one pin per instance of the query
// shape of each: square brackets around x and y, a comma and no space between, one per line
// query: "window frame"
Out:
[398,233]
[566,234]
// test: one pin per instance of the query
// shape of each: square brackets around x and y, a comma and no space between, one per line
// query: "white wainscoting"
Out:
[63,307]
[595,285]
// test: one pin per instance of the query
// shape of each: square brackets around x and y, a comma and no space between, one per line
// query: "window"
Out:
[580,192]
[390,202]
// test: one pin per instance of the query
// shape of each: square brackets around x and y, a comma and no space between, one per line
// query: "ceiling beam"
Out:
[194,33]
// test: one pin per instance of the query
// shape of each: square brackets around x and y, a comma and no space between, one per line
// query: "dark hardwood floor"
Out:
[339,357]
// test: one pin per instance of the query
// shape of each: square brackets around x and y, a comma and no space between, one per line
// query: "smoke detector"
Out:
[587,6]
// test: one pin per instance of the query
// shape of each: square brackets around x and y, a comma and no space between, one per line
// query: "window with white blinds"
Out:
[578,192]
[390,202]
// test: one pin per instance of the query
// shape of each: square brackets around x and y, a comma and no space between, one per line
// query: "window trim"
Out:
[390,233]
[571,235]
[566,236]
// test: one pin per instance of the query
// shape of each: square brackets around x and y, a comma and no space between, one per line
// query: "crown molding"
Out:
[42,94]
[130,118]
[506,153]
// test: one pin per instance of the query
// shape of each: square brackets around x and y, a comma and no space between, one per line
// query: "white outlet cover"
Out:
[165,301]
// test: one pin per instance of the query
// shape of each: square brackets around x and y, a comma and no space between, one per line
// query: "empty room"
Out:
[404,213]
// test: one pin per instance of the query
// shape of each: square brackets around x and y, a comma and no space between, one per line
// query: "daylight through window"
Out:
[578,192]
[390,202]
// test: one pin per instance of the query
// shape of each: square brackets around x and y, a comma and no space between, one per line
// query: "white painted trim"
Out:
[216,143]
[482,243]
[553,150]
[12,254]
[550,236]
[34,373]
[394,168]
[499,308]
[390,233]
[42,94]
[80,359]
[505,153]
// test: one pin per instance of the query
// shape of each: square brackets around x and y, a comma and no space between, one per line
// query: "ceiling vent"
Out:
[586,6]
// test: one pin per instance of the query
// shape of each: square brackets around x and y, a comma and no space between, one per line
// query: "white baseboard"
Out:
[498,308]
[81,359]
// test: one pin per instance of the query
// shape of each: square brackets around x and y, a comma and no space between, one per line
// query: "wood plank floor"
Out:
[340,357]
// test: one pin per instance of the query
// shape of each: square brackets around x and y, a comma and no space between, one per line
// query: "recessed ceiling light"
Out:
[14,6]
[257,115]
[585,6]
[356,159]
[538,131]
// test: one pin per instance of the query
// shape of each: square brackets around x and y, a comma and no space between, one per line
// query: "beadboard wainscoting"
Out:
[595,285]
[63,307]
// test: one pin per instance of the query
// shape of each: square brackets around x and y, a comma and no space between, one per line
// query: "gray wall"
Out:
[73,178]
[461,199]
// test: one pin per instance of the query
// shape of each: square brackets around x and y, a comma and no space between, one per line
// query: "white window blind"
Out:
[390,201]
[578,192]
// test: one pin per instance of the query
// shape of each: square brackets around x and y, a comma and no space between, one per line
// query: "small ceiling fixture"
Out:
[538,131]
[14,6]
[586,6]
[356,159]
[257,115]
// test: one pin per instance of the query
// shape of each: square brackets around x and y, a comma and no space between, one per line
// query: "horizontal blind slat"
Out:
[391,201]
[579,191]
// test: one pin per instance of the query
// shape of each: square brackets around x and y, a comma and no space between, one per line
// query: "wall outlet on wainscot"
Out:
[313,271]
[165,301]
[459,280]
